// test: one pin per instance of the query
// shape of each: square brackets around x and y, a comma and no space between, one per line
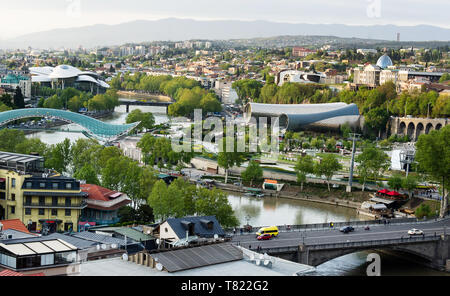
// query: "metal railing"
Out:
[55,206]
[336,225]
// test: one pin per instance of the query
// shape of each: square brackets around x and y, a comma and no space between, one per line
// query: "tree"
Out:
[423,210]
[376,119]
[371,163]
[304,166]
[395,182]
[433,157]
[252,173]
[215,203]
[54,102]
[88,174]
[328,166]
[409,183]
[165,201]
[228,159]
[147,120]
[9,138]
[19,102]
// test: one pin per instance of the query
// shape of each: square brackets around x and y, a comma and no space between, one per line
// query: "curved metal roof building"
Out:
[95,128]
[65,72]
[295,117]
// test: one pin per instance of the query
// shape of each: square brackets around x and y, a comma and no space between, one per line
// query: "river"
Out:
[273,211]
[280,211]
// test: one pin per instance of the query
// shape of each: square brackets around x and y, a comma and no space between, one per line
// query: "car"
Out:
[346,229]
[264,236]
[415,231]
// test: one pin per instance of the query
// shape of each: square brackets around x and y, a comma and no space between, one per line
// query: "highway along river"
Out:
[279,211]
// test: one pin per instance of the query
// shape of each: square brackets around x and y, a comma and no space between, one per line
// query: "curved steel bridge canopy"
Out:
[94,127]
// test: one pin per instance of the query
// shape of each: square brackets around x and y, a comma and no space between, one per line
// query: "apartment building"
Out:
[44,201]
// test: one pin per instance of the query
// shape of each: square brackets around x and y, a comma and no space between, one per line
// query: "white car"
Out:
[415,231]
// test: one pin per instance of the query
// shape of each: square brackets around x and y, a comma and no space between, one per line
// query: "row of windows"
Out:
[41,212]
[68,200]
[29,185]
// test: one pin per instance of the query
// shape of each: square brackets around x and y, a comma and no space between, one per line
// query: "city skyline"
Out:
[51,14]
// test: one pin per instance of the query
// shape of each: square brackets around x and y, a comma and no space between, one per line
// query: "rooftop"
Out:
[15,224]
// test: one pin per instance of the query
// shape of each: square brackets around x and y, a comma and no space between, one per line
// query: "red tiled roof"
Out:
[15,224]
[97,192]
[8,272]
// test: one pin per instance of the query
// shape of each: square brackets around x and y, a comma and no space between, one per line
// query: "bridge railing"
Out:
[374,243]
[336,225]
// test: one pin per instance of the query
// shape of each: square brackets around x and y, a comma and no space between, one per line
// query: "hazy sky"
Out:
[19,17]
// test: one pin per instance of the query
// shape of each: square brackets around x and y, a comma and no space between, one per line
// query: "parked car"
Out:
[415,231]
[264,236]
[346,229]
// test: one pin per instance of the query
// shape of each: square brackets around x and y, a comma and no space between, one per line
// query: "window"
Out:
[13,196]
[55,185]
[68,201]
[66,257]
[28,200]
[27,211]
[68,212]
[2,195]
[13,209]
[13,183]
[54,212]
[167,230]
[68,185]
[42,185]
[29,185]
[48,259]
[54,201]
[41,212]
[41,200]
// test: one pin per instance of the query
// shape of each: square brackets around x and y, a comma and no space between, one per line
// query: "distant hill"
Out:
[173,29]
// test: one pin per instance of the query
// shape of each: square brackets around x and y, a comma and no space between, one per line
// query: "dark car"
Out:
[346,229]
[264,236]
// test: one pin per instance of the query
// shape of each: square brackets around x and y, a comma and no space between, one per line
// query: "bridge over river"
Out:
[314,246]
[129,103]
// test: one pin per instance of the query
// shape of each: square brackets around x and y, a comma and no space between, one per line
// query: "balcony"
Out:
[74,206]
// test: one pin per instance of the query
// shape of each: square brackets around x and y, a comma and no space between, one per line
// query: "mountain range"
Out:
[174,29]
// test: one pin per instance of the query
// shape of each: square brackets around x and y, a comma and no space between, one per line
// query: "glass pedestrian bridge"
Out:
[93,127]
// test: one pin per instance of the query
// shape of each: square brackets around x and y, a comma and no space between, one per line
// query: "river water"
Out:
[279,211]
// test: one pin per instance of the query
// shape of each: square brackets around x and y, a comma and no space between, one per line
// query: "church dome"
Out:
[384,61]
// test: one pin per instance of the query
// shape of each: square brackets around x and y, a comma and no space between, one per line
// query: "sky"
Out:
[19,17]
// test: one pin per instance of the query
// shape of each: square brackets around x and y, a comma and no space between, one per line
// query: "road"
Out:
[329,236]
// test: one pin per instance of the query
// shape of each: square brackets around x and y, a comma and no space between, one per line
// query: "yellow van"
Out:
[273,230]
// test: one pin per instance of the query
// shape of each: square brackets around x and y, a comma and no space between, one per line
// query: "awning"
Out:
[2,179]
[379,207]
[384,191]
[381,200]
[393,193]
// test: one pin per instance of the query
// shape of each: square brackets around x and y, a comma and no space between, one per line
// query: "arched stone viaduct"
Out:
[414,127]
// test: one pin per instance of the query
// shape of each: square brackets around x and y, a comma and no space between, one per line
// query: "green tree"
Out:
[19,102]
[253,172]
[376,119]
[372,162]
[395,182]
[9,138]
[423,210]
[433,157]
[227,159]
[328,166]
[165,201]
[304,166]
[87,173]
[60,156]
[409,183]
[215,203]
[146,120]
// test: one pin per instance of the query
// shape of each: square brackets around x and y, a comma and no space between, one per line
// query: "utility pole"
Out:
[354,137]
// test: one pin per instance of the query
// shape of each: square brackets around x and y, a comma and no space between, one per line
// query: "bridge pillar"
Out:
[128,108]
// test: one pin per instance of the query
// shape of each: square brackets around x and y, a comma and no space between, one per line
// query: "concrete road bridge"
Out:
[314,246]
[414,127]
[129,103]
[92,127]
